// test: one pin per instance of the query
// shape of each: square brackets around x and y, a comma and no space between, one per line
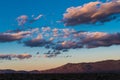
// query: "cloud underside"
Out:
[61,39]
[92,13]
[9,37]
[77,40]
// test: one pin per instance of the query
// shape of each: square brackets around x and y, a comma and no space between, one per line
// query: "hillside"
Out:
[92,67]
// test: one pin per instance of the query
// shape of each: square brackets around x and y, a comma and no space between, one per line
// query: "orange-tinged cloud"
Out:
[14,56]
[92,13]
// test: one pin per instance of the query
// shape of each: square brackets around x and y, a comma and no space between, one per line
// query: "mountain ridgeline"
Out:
[92,67]
[108,66]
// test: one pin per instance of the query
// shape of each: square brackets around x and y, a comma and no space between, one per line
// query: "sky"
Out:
[43,34]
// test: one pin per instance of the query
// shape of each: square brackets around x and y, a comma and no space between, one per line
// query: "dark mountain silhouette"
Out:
[12,71]
[91,67]
[7,71]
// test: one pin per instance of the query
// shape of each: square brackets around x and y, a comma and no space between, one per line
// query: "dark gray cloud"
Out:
[92,13]
[51,54]
[37,43]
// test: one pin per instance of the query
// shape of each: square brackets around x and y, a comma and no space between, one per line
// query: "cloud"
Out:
[16,35]
[68,45]
[14,56]
[65,39]
[23,19]
[36,42]
[45,29]
[51,54]
[35,19]
[47,37]
[61,40]
[92,13]
[9,37]
[89,40]
[24,56]
[105,41]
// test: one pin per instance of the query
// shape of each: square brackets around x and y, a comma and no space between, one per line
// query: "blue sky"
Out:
[52,11]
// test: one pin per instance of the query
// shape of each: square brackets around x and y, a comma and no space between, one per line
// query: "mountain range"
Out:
[90,67]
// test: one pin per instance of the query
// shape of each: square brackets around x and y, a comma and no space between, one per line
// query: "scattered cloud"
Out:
[61,40]
[51,54]
[23,19]
[35,19]
[92,13]
[36,42]
[14,56]
[65,39]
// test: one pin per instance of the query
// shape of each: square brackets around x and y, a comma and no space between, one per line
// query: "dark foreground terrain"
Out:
[83,76]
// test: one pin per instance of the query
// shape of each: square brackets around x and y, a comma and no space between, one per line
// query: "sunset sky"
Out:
[44,34]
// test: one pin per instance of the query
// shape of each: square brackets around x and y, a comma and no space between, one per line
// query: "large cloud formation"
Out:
[65,39]
[57,40]
[92,13]
[14,56]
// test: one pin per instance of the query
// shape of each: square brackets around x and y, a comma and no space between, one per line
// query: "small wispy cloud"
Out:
[23,19]
[35,18]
